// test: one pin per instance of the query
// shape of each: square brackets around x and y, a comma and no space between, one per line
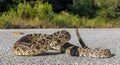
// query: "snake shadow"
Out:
[49,53]
[112,55]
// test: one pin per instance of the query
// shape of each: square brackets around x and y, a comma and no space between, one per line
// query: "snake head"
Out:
[55,44]
[58,38]
[62,36]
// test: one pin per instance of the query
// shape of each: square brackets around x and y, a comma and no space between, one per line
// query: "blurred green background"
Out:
[59,14]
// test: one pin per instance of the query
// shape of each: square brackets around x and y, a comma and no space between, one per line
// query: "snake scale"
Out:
[35,44]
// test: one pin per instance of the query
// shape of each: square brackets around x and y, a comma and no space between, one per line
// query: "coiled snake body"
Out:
[34,44]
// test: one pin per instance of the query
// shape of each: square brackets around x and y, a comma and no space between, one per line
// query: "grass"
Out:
[41,16]
[62,20]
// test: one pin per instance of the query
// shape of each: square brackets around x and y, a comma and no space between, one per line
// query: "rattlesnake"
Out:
[34,44]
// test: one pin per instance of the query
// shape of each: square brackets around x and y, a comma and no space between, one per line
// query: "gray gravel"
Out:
[94,38]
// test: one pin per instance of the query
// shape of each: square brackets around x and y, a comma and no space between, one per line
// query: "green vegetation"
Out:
[35,14]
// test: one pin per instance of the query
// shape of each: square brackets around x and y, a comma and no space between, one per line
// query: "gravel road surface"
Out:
[94,38]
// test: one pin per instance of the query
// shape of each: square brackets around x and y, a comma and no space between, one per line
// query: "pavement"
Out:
[94,38]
